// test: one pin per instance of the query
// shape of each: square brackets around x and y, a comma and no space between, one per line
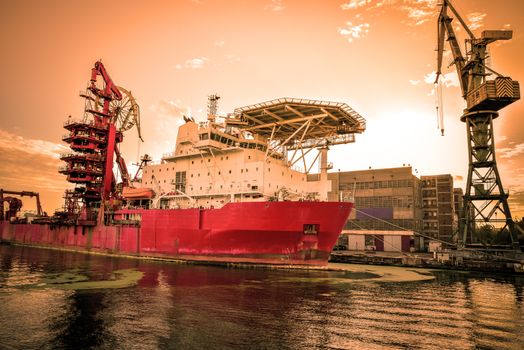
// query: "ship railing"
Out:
[83,135]
[67,155]
[90,123]
[71,121]
[297,168]
[93,157]
[168,155]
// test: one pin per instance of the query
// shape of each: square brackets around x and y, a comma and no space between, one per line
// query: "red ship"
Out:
[229,193]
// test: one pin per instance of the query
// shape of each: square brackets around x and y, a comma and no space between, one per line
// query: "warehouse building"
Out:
[387,211]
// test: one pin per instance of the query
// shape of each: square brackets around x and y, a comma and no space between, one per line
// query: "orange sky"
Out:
[375,55]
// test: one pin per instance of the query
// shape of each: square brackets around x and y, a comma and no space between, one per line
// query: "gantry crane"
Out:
[485,201]
[15,204]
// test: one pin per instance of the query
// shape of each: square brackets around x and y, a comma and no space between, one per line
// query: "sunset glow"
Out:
[377,56]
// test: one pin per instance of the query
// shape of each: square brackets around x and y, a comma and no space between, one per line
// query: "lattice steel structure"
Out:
[294,127]
[485,201]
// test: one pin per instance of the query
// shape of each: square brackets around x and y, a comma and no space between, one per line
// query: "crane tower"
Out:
[485,201]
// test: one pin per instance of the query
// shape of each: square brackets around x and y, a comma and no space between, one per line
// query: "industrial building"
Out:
[395,210]
[387,211]
[438,206]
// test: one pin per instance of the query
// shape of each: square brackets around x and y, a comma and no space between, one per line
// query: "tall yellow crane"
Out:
[485,201]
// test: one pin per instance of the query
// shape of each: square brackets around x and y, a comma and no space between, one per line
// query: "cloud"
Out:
[448,79]
[501,139]
[414,82]
[193,63]
[351,32]
[231,58]
[475,20]
[418,11]
[168,117]
[418,15]
[510,152]
[32,165]
[276,6]
[219,43]
[12,142]
[353,4]
[516,203]
[169,108]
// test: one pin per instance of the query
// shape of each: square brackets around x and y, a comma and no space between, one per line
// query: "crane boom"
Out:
[445,28]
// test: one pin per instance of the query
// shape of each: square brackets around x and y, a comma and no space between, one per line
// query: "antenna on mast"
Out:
[212,107]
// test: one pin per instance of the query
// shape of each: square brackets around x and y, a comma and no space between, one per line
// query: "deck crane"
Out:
[485,201]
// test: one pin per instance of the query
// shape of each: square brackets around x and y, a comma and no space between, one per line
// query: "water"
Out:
[51,300]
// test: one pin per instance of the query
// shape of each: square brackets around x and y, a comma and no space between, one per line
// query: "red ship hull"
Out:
[286,233]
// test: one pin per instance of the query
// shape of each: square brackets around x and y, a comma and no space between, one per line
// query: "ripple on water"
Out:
[63,300]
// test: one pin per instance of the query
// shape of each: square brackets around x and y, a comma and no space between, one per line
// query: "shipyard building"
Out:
[395,210]
[388,209]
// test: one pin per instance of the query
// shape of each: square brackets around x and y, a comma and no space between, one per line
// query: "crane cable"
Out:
[439,105]
[487,254]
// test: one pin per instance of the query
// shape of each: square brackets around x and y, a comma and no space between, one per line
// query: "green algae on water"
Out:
[75,281]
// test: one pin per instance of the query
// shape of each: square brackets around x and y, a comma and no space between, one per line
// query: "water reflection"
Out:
[185,306]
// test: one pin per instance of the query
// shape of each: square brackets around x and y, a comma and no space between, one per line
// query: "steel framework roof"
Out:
[283,117]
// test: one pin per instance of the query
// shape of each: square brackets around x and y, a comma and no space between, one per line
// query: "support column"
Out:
[485,201]
[325,184]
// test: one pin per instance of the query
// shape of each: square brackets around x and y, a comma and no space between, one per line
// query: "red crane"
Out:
[15,204]
[109,111]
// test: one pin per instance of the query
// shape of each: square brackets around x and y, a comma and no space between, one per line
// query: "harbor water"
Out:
[52,299]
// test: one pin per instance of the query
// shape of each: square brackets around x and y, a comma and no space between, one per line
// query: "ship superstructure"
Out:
[258,153]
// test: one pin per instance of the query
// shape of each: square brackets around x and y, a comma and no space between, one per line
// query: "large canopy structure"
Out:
[298,124]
